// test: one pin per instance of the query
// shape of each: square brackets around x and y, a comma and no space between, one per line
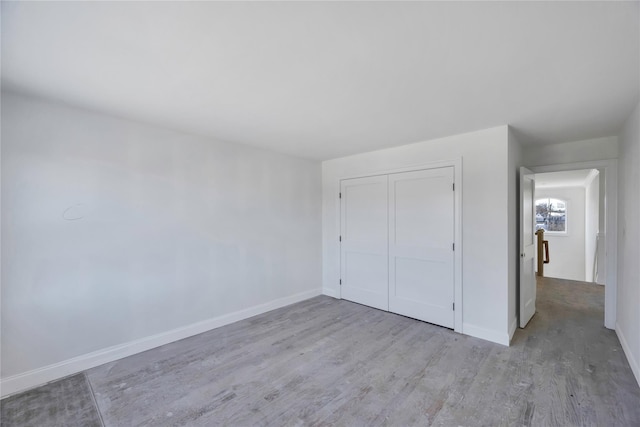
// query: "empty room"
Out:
[320,213]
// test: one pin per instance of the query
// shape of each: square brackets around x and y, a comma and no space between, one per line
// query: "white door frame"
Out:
[457,168]
[610,168]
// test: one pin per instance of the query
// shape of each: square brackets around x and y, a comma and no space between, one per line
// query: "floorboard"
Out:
[329,362]
[66,403]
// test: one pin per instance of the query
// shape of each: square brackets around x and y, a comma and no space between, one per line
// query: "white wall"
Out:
[591,224]
[115,231]
[571,152]
[602,226]
[515,161]
[566,251]
[485,219]
[628,314]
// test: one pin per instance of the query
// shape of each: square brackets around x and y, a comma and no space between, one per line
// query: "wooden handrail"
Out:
[543,252]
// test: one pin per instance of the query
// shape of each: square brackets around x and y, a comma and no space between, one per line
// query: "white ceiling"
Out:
[322,80]
[577,178]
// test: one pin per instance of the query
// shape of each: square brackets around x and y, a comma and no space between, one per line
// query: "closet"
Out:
[397,243]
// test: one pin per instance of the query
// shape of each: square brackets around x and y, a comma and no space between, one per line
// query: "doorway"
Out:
[568,208]
[607,274]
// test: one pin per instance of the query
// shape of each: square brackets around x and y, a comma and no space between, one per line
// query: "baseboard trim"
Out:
[330,292]
[627,352]
[24,381]
[485,334]
[512,328]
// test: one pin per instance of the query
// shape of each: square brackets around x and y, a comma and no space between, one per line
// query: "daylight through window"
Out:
[551,215]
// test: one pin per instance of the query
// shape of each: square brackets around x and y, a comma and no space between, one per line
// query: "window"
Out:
[551,215]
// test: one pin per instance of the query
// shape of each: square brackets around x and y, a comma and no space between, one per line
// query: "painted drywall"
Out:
[571,152]
[628,315]
[566,251]
[515,161]
[485,210]
[115,231]
[591,225]
[602,226]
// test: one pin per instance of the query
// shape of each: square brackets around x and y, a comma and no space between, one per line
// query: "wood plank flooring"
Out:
[67,402]
[329,362]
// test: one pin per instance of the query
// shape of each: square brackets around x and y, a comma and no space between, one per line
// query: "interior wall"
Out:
[485,211]
[591,223]
[571,152]
[628,315]
[566,251]
[113,231]
[602,226]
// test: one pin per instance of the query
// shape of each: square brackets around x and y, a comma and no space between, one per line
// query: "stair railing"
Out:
[543,252]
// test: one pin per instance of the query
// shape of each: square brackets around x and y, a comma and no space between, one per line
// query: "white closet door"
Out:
[364,235]
[421,237]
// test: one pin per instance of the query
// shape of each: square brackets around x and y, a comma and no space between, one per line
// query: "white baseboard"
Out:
[512,328]
[330,292]
[39,376]
[485,334]
[627,351]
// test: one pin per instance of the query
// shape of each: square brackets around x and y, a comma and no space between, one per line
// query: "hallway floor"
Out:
[332,362]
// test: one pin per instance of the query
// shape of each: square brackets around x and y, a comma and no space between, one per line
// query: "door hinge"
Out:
[454,306]
[453,186]
[340,195]
[340,238]
[453,246]
[341,281]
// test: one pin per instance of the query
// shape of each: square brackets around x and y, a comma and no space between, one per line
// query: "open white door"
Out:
[527,247]
[364,236]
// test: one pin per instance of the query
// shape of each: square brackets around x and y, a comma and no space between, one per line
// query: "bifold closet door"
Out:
[421,237]
[364,236]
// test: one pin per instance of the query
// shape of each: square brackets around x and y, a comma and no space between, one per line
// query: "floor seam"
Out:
[93,398]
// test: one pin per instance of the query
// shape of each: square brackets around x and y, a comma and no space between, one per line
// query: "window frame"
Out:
[566,214]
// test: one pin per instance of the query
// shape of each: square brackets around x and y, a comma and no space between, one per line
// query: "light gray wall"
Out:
[628,315]
[591,224]
[113,231]
[602,227]
[566,251]
[485,218]
[571,152]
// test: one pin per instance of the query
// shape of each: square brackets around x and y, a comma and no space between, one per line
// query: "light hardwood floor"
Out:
[331,362]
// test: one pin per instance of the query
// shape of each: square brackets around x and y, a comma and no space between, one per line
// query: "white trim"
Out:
[513,327]
[330,293]
[458,325]
[610,234]
[486,334]
[420,166]
[456,163]
[36,377]
[627,352]
[589,179]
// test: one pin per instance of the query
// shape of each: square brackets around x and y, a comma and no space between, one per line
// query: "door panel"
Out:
[527,287]
[364,236]
[421,235]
